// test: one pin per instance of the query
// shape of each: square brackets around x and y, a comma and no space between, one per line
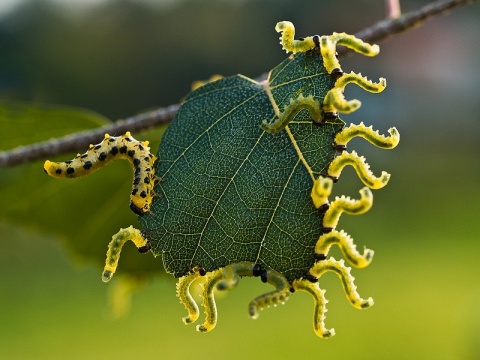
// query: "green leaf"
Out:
[232,192]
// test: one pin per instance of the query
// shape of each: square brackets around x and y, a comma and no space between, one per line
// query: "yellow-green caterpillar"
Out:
[113,148]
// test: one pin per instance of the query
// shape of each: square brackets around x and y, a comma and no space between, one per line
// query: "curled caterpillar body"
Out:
[113,148]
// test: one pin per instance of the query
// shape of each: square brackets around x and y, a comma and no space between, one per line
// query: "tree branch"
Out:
[385,28]
[80,140]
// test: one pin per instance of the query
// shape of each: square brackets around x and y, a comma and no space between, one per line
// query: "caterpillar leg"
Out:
[313,106]
[343,272]
[346,244]
[373,137]
[335,100]
[113,148]
[234,272]
[209,304]
[288,42]
[115,247]
[279,296]
[320,306]
[226,279]
[199,83]
[328,45]
[183,293]
[223,279]
[361,167]
[347,205]
[322,187]
[311,286]
[321,190]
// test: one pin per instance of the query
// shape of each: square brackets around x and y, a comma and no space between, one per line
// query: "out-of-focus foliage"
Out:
[96,206]
[124,58]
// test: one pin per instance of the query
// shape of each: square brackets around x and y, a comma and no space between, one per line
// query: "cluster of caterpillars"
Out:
[227,278]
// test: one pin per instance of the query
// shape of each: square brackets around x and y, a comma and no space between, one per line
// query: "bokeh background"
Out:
[120,58]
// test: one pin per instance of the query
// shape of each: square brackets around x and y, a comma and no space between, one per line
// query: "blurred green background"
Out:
[125,57]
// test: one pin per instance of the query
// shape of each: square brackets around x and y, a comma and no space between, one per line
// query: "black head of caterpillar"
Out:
[113,148]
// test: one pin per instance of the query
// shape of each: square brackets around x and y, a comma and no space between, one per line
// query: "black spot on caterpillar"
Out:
[112,148]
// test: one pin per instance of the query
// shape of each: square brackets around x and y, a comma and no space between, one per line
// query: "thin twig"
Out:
[80,140]
[393,9]
[385,28]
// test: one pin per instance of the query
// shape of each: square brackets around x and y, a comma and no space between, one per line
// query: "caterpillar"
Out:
[113,148]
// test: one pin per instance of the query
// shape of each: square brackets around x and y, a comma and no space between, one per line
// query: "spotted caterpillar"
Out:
[113,148]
